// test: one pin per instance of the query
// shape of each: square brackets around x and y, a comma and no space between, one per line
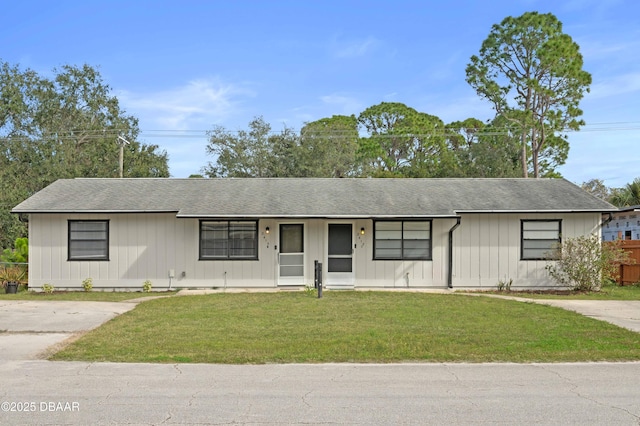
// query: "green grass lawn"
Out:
[295,327]
[87,296]
[608,292]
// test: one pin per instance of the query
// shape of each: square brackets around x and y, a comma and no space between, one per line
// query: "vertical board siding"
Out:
[146,246]
[487,249]
[141,247]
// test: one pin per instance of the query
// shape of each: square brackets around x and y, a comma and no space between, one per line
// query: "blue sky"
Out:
[183,66]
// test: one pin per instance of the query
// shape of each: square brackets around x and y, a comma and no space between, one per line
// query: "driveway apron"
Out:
[28,328]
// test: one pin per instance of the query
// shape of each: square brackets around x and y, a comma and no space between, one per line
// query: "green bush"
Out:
[584,263]
[87,284]
[146,286]
[20,254]
[48,288]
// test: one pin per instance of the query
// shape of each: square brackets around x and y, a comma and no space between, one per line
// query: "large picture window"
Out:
[402,240]
[225,239]
[539,238]
[88,240]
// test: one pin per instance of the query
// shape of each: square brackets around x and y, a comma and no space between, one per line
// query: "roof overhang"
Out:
[263,216]
[533,211]
[89,211]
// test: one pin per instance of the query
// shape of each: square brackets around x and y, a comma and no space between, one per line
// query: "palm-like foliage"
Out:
[627,196]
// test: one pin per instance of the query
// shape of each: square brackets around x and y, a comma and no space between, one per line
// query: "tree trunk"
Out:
[535,150]
[523,139]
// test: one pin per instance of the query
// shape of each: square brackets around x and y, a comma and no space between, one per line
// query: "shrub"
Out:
[146,286]
[504,285]
[87,284]
[583,263]
[48,288]
[20,253]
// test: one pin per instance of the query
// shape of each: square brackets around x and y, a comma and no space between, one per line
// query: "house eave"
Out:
[89,211]
[534,211]
[307,216]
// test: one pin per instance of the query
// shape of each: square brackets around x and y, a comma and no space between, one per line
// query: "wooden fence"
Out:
[630,274]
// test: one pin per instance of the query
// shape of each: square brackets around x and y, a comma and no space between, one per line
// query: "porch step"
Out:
[339,287]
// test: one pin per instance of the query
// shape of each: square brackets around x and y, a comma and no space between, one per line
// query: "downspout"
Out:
[607,220]
[450,271]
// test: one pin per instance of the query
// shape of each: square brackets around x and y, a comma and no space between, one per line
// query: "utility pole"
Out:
[121,142]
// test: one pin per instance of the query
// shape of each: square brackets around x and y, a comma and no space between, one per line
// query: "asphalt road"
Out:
[104,393]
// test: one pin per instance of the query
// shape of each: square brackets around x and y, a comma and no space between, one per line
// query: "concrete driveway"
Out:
[623,313]
[28,328]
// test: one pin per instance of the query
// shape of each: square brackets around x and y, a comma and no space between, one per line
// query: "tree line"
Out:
[63,126]
[627,196]
[385,140]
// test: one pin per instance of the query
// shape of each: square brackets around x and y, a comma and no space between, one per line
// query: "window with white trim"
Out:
[539,239]
[88,240]
[402,240]
[228,240]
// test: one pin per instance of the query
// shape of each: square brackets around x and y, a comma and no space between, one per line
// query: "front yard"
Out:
[350,327]
[609,291]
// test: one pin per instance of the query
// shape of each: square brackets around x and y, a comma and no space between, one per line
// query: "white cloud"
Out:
[458,108]
[199,103]
[353,48]
[616,85]
[347,105]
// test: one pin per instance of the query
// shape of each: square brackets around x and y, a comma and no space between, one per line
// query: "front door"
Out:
[340,255]
[291,255]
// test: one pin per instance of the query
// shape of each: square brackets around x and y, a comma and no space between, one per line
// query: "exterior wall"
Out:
[487,249]
[146,246]
[141,247]
[622,224]
[404,273]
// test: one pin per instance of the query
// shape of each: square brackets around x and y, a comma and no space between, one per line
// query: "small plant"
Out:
[146,286]
[87,284]
[310,290]
[48,288]
[12,274]
[584,263]
[504,285]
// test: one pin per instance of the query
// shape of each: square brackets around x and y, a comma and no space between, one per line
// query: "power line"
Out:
[97,134]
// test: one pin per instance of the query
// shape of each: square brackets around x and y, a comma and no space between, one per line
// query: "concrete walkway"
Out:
[623,313]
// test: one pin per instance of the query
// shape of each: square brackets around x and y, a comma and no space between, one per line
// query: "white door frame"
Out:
[291,280]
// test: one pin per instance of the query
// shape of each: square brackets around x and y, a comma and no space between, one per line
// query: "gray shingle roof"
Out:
[293,197]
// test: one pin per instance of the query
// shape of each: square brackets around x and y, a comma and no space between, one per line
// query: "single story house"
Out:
[267,233]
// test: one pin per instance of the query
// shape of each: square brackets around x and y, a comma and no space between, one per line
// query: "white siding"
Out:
[146,246]
[403,273]
[141,247]
[487,249]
